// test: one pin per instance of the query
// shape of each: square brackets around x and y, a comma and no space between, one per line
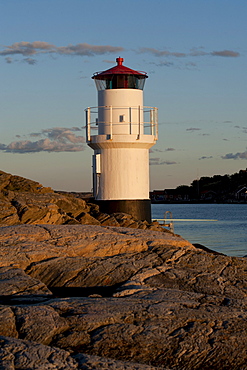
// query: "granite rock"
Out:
[10,182]
[117,297]
[23,354]
[14,282]
[164,328]
[24,201]
[19,354]
[22,245]
[8,213]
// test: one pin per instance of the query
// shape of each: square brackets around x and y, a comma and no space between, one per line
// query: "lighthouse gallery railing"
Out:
[140,121]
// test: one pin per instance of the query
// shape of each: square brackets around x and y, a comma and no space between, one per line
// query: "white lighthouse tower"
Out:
[125,131]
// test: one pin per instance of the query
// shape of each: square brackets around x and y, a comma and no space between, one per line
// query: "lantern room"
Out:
[120,77]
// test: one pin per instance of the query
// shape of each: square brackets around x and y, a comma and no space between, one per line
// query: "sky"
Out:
[194,52]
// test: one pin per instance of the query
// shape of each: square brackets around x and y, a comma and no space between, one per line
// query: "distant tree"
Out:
[223,185]
[185,190]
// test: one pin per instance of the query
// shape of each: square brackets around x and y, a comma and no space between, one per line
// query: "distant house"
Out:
[171,194]
[157,196]
[208,195]
[241,194]
[168,195]
[175,195]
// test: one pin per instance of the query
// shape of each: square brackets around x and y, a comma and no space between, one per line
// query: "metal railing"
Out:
[134,120]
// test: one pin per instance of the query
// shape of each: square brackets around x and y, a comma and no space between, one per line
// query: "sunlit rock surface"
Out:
[101,297]
[24,201]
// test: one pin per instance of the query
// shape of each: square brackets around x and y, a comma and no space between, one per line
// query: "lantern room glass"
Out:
[120,82]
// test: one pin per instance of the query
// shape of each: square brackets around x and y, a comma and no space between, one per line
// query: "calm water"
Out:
[227,235]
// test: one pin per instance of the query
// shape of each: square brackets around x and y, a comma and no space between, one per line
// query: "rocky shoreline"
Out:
[23,201]
[106,296]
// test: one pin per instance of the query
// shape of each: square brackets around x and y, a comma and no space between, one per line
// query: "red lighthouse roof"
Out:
[119,69]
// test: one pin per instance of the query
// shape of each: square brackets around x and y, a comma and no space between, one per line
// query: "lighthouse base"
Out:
[140,209]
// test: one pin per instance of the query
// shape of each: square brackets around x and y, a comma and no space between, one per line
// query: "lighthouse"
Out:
[121,131]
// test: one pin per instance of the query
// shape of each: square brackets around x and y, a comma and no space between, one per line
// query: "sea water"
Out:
[225,233]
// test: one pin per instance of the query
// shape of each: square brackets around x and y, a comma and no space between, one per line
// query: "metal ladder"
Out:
[167,221]
[167,218]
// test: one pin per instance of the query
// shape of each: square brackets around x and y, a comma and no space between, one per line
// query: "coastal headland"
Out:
[84,290]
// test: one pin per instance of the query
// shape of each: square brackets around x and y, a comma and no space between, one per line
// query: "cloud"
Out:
[33,134]
[193,129]
[161,53]
[88,50]
[170,149]
[225,53]
[158,161]
[204,157]
[109,61]
[195,52]
[9,60]
[42,145]
[57,139]
[63,134]
[162,150]
[164,64]
[180,65]
[244,129]
[29,49]
[238,155]
[190,64]
[30,61]
[168,162]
